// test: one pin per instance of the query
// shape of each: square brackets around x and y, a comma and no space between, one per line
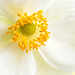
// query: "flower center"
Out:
[28,29]
[30,32]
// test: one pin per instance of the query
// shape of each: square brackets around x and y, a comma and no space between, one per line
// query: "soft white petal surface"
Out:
[44,69]
[31,6]
[58,9]
[36,5]
[13,61]
[8,12]
[4,38]
[60,48]
[20,6]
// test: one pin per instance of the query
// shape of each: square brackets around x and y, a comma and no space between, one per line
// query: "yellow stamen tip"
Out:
[25,14]
[19,14]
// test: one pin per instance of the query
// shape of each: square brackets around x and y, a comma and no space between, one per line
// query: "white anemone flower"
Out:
[57,57]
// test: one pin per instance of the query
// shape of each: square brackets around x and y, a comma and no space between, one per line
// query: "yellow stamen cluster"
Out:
[25,42]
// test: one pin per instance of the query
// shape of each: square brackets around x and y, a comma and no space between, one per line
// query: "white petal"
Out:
[22,6]
[64,30]
[31,5]
[13,61]
[7,11]
[35,5]
[60,48]
[60,51]
[44,69]
[4,38]
[7,18]
[59,8]
[12,6]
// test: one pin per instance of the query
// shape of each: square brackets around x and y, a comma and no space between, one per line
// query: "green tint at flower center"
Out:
[28,29]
